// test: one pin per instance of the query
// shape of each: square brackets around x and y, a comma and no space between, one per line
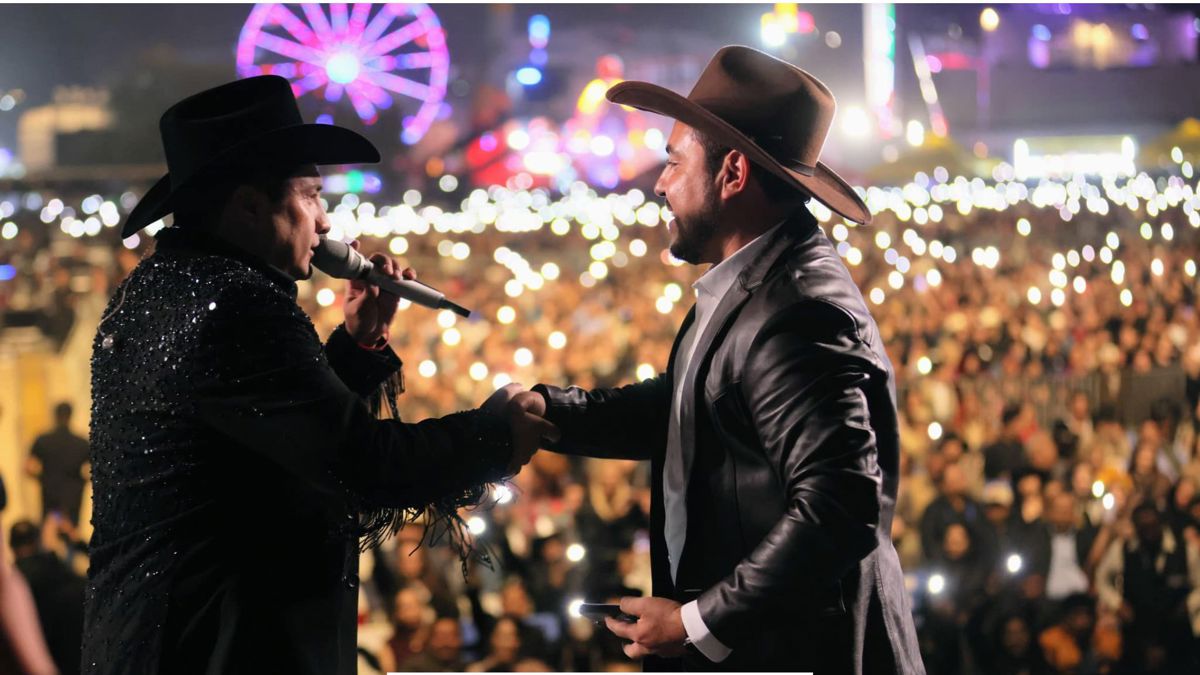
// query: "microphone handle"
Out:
[415,291]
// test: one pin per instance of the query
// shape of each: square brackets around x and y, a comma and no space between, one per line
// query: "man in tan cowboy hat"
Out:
[772,434]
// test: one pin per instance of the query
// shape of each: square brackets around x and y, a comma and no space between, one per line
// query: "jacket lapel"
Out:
[723,316]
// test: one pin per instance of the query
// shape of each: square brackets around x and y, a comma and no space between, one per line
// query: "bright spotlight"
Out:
[855,122]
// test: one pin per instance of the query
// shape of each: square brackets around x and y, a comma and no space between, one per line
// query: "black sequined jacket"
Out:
[236,465]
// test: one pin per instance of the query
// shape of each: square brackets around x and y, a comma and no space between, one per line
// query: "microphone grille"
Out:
[337,259]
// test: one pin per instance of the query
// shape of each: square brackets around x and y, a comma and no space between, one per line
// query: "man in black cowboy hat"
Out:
[237,463]
[772,435]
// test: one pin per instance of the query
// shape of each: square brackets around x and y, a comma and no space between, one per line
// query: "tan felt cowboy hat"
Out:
[775,113]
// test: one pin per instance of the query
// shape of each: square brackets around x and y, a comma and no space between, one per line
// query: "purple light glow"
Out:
[374,56]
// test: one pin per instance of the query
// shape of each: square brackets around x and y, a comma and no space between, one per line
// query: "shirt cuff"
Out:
[702,639]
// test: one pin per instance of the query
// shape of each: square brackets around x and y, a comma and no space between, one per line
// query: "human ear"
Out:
[734,174]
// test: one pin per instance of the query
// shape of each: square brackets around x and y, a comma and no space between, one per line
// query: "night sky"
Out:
[44,46]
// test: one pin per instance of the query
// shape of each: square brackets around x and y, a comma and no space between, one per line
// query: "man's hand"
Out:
[497,403]
[527,402]
[369,309]
[659,629]
[529,430]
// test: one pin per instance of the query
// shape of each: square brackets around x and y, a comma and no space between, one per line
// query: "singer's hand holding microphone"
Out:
[369,309]
[376,286]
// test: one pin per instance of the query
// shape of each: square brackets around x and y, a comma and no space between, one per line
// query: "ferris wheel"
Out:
[377,56]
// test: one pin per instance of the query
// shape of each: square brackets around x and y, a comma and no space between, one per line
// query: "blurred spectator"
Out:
[60,461]
[410,628]
[1013,650]
[1076,643]
[1062,546]
[516,606]
[1006,455]
[1079,420]
[442,652]
[1149,482]
[57,590]
[965,569]
[554,578]
[505,651]
[1152,581]
[22,645]
[952,505]
[1172,454]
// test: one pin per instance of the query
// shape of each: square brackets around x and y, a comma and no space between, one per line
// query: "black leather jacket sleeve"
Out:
[802,392]
[270,390]
[628,422]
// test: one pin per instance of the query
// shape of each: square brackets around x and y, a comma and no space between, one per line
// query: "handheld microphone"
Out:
[339,260]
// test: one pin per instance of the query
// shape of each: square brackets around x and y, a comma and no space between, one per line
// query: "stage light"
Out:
[539,31]
[529,76]
[989,19]
[1013,563]
[855,122]
[773,33]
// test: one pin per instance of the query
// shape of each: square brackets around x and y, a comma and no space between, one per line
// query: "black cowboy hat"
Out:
[237,126]
[775,113]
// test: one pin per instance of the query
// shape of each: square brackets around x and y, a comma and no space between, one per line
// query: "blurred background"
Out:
[1032,268]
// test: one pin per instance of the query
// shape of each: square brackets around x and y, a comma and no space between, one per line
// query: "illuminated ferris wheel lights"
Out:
[342,68]
[374,56]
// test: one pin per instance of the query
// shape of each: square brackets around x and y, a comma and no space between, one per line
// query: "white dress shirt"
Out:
[710,288]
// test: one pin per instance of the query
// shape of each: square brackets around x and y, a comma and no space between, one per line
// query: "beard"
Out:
[693,235]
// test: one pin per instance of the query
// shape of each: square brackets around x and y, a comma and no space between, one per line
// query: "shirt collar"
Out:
[716,282]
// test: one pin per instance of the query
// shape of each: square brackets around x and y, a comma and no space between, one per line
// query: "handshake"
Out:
[525,411]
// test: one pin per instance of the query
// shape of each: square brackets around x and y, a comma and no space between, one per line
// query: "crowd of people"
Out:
[1049,371]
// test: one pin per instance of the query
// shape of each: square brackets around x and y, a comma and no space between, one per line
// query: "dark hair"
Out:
[775,188]
[1078,601]
[1011,410]
[62,410]
[1164,411]
[202,203]
[1106,413]
[949,438]
[1146,506]
[24,533]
